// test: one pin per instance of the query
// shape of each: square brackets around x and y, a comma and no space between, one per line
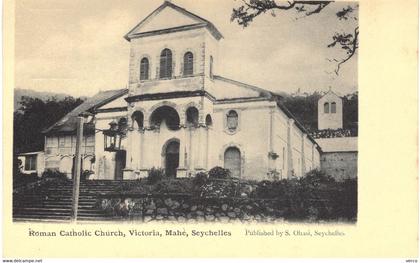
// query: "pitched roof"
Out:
[330,92]
[229,89]
[339,144]
[196,22]
[240,90]
[68,123]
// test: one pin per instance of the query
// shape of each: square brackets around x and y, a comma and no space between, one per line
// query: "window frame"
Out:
[333,107]
[226,122]
[138,119]
[165,64]
[326,108]
[144,72]
[209,120]
[192,116]
[30,162]
[188,64]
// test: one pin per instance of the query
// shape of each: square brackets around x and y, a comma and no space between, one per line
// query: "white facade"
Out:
[186,123]
[60,150]
[32,163]
[330,111]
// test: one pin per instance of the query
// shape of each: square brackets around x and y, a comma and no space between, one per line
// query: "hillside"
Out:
[44,96]
[305,109]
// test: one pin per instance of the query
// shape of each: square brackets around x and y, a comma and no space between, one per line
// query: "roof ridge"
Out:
[90,100]
[105,101]
[331,91]
[180,9]
[186,11]
[245,85]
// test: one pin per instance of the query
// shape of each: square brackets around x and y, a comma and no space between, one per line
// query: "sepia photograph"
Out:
[144,111]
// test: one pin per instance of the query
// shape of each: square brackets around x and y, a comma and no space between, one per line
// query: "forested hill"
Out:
[44,96]
[305,109]
[33,114]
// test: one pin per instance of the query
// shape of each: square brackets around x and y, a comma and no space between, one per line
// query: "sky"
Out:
[77,47]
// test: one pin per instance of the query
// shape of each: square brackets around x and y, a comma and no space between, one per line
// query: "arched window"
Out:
[232,160]
[333,107]
[138,119]
[211,66]
[122,124]
[165,63]
[165,115]
[209,121]
[188,64]
[326,107]
[232,120]
[144,69]
[192,116]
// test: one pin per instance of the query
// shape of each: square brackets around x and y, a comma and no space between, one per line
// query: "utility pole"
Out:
[76,170]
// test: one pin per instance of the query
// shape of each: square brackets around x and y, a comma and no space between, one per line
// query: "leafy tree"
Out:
[305,109]
[350,111]
[346,41]
[33,116]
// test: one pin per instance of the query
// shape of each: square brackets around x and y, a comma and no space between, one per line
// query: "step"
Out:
[55,210]
[42,217]
[84,214]
[40,209]
[40,220]
[66,206]
[87,218]
[44,212]
[52,203]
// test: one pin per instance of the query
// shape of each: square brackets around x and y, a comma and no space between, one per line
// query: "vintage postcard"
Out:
[253,128]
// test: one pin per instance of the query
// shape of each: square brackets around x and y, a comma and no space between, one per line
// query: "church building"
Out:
[180,115]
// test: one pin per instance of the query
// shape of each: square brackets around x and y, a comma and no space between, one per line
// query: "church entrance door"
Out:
[120,157]
[171,158]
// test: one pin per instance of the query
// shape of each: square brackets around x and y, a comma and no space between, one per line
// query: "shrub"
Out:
[17,164]
[315,196]
[53,173]
[219,189]
[155,175]
[272,189]
[347,201]
[200,179]
[172,186]
[219,173]
[317,178]
[23,179]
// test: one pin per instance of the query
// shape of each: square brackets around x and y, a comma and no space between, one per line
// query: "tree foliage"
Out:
[33,116]
[305,109]
[245,13]
[351,111]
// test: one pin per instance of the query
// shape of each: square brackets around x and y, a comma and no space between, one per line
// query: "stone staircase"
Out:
[52,201]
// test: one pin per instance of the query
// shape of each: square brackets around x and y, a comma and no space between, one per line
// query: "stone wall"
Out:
[189,209]
[340,165]
[314,197]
